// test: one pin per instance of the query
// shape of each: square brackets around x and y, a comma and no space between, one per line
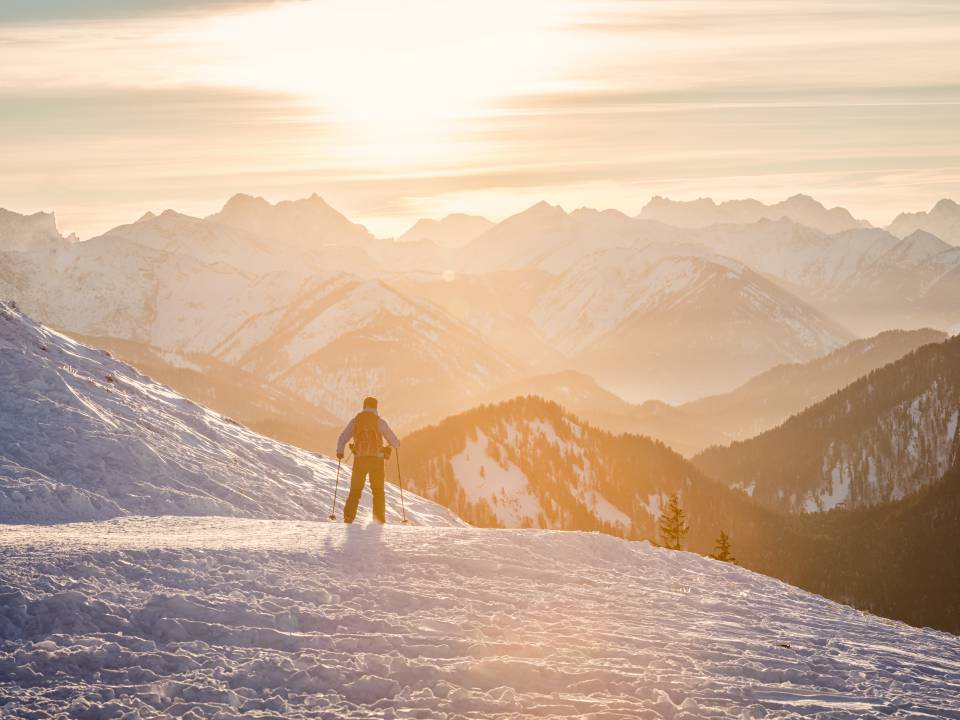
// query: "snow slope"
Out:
[85,437]
[204,618]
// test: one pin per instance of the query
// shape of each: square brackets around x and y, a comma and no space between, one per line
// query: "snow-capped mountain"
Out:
[648,310]
[770,398]
[170,282]
[28,232]
[452,231]
[704,212]
[545,237]
[85,437]
[943,220]
[337,342]
[496,305]
[306,223]
[868,279]
[646,322]
[628,302]
[884,437]
[201,293]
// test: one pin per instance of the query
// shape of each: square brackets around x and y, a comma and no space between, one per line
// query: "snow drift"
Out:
[85,437]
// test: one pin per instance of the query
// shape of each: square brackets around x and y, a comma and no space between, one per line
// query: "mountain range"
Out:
[294,297]
[866,279]
[704,212]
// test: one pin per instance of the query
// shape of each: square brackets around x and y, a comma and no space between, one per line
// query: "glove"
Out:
[386,452]
[339,456]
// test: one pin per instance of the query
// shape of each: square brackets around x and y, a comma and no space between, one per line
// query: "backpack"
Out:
[367,440]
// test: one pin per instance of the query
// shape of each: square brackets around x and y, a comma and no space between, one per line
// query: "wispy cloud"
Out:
[33,11]
[396,109]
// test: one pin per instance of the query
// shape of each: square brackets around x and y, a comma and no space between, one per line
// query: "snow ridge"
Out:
[85,437]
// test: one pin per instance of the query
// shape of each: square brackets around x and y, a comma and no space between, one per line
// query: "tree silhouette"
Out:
[722,549]
[673,526]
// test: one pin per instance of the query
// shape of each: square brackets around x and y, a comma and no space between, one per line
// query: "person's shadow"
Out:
[363,541]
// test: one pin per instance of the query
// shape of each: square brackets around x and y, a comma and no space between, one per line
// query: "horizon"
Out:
[155,212]
[431,108]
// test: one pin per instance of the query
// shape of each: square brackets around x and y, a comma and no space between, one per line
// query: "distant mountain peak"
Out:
[244,201]
[704,212]
[452,231]
[24,232]
[308,221]
[543,207]
[943,220]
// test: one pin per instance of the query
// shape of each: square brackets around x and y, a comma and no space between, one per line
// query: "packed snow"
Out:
[222,617]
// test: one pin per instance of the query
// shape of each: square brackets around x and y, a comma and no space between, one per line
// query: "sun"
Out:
[397,80]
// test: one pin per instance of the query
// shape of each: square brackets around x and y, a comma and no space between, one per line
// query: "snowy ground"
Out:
[85,437]
[222,617]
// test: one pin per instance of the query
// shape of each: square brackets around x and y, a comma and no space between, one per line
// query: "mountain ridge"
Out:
[704,212]
[881,438]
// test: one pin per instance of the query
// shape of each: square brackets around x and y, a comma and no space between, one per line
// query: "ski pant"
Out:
[363,466]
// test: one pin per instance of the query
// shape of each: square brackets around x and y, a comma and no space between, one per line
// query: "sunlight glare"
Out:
[398,94]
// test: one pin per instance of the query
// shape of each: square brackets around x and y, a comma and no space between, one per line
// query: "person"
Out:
[368,431]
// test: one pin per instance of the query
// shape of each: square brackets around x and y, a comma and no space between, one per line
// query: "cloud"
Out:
[31,11]
[428,107]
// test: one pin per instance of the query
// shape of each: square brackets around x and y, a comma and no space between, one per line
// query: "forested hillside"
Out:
[882,438]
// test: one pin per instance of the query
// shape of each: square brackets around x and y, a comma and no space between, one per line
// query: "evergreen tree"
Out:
[722,549]
[673,526]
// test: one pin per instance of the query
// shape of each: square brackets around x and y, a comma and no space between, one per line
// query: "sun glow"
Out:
[397,80]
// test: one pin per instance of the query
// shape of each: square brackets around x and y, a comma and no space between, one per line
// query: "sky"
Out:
[398,110]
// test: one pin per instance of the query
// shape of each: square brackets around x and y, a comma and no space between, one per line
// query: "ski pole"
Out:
[403,509]
[336,489]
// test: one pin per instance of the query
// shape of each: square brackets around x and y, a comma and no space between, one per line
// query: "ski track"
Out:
[224,617]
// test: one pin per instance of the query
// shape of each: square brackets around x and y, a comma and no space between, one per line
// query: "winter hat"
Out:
[370,403]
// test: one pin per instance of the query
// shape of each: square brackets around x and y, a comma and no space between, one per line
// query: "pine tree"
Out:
[722,549]
[673,526]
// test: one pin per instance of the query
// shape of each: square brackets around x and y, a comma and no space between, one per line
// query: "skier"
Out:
[368,430]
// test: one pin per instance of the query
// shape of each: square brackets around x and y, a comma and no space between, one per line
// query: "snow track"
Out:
[223,617]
